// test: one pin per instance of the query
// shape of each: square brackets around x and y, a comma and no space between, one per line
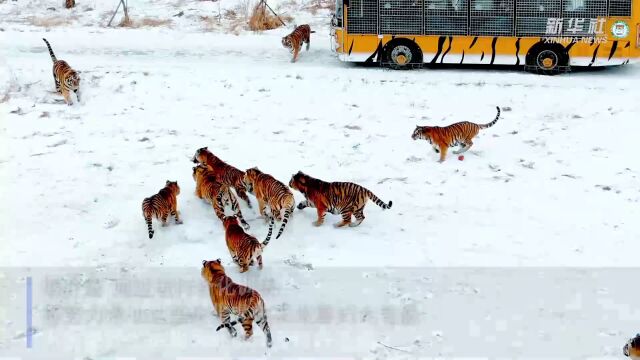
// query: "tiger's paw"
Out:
[355,224]
[179,222]
[341,224]
[317,223]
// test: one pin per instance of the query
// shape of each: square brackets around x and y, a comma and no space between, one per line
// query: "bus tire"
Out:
[547,59]
[401,54]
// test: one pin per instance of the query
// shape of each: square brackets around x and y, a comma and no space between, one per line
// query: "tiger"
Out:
[442,138]
[216,193]
[342,198]
[301,34]
[272,192]
[162,204]
[632,348]
[65,77]
[69,3]
[226,173]
[230,298]
[243,247]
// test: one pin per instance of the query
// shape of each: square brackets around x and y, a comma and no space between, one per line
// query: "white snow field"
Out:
[526,248]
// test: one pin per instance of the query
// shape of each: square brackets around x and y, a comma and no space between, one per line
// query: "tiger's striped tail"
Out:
[53,56]
[261,320]
[147,219]
[488,125]
[266,241]
[379,202]
[285,219]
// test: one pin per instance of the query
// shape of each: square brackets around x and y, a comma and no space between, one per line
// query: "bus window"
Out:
[532,16]
[400,16]
[446,17]
[338,14]
[619,7]
[362,16]
[491,17]
[578,14]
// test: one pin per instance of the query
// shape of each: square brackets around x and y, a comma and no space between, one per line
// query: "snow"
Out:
[552,186]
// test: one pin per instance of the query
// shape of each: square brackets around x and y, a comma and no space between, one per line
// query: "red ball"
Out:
[460,157]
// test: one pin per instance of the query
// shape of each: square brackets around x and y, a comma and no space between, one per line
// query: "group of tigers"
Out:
[217,182]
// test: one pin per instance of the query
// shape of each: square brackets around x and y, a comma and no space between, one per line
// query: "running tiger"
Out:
[230,298]
[342,198]
[216,193]
[65,77]
[632,348]
[301,34]
[243,247]
[272,192]
[225,173]
[442,138]
[162,204]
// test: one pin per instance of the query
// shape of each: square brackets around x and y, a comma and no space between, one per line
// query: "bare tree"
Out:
[126,19]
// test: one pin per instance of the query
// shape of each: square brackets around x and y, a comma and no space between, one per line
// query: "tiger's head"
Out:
[300,181]
[173,186]
[198,171]
[230,221]
[421,132]
[73,80]
[286,42]
[632,348]
[211,268]
[200,155]
[250,178]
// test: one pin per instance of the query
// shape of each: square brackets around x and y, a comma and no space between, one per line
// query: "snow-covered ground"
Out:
[553,184]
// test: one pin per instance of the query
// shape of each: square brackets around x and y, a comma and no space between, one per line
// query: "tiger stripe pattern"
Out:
[66,79]
[632,348]
[244,248]
[301,34]
[442,138]
[162,204]
[344,198]
[69,3]
[218,194]
[229,298]
[272,192]
[225,173]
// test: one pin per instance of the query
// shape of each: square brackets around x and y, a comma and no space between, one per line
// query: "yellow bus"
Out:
[545,36]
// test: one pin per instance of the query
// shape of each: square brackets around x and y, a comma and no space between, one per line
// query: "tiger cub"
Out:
[65,77]
[162,204]
[272,192]
[342,198]
[225,173]
[243,247]
[216,193]
[230,298]
[442,138]
[632,348]
[301,34]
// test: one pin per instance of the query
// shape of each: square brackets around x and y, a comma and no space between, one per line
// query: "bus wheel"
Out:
[547,59]
[402,54]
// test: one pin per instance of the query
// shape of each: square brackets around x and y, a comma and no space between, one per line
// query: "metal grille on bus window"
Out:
[445,17]
[581,17]
[362,16]
[401,16]
[532,17]
[619,7]
[491,17]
